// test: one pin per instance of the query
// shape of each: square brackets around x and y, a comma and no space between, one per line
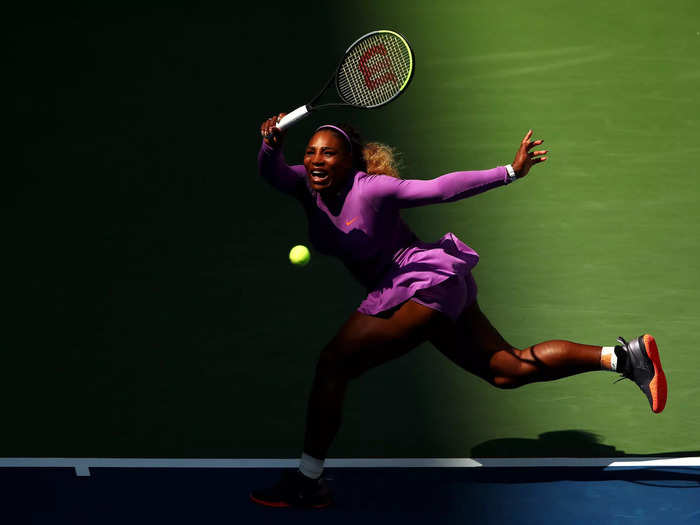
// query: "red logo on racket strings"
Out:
[379,71]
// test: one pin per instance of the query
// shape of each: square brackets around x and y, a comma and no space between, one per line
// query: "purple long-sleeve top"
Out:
[361,225]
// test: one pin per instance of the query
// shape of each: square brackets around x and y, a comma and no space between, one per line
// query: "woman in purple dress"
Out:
[417,291]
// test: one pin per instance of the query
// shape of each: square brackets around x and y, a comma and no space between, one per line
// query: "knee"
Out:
[334,366]
[338,363]
[329,364]
[507,369]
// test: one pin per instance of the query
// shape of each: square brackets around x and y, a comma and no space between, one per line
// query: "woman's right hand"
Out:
[272,135]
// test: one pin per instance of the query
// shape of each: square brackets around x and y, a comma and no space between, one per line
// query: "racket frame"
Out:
[303,111]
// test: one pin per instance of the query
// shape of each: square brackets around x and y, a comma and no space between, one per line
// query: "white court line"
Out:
[82,465]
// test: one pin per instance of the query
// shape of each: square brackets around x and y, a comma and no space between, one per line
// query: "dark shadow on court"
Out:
[558,444]
[484,490]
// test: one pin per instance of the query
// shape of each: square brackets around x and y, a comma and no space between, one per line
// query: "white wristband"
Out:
[511,174]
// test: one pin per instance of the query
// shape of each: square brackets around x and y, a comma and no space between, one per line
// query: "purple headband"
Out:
[336,128]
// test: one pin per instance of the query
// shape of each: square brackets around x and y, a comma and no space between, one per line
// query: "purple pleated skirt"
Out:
[436,275]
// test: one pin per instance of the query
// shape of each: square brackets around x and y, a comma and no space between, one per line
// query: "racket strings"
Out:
[375,70]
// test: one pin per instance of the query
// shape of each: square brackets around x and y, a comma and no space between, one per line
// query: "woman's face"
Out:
[327,160]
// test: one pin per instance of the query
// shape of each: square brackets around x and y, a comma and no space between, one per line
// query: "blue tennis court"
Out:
[569,490]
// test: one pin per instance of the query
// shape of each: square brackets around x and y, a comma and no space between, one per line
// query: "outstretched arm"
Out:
[446,188]
[271,163]
[452,186]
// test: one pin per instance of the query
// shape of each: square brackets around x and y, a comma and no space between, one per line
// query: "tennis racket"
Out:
[375,69]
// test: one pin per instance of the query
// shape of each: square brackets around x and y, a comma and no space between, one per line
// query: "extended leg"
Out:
[544,361]
[475,345]
[361,344]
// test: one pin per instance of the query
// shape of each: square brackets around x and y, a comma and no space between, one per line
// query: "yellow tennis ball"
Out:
[300,255]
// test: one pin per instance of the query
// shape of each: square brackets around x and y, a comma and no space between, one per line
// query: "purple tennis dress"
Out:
[361,225]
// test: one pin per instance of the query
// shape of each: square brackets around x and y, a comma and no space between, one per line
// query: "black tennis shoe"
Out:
[643,366]
[295,490]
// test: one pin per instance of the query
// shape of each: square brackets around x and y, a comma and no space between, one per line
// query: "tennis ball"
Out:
[300,255]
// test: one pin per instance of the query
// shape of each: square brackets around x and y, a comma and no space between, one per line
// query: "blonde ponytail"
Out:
[381,159]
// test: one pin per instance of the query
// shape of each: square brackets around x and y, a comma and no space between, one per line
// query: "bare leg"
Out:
[542,362]
[475,345]
[363,342]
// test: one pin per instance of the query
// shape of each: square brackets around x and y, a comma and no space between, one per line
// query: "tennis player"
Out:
[417,291]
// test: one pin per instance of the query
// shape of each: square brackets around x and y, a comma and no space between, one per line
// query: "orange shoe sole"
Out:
[281,504]
[657,386]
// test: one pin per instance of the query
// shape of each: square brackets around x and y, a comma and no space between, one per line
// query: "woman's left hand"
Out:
[524,158]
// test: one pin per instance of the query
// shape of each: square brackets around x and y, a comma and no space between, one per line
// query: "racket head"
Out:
[376,69]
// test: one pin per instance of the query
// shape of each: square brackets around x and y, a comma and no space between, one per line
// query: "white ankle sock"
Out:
[608,358]
[310,466]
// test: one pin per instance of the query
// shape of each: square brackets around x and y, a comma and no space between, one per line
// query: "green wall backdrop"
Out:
[150,307]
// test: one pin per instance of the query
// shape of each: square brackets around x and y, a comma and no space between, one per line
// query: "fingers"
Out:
[534,157]
[534,143]
[528,144]
[525,158]
[275,129]
[267,126]
[269,130]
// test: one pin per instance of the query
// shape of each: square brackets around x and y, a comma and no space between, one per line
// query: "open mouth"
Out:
[319,176]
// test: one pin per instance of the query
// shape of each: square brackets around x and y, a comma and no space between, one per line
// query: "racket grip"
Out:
[293,117]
